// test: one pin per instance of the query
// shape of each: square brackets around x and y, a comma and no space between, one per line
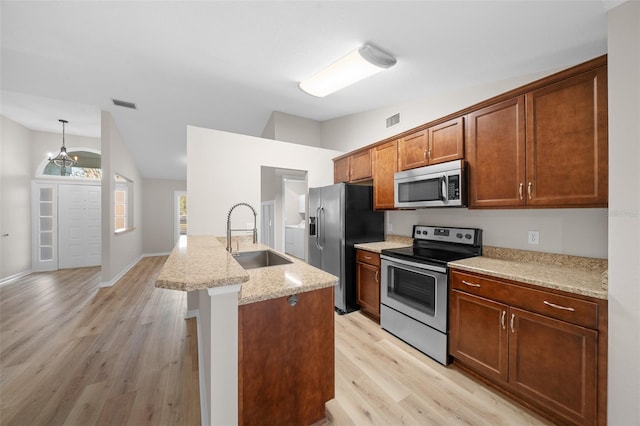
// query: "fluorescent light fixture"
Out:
[363,62]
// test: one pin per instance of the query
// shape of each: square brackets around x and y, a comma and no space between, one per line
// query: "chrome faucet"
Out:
[255,225]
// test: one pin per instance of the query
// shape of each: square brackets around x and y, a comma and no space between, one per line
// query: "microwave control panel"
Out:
[453,187]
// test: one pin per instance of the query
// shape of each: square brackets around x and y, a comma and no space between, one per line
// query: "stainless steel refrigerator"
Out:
[340,216]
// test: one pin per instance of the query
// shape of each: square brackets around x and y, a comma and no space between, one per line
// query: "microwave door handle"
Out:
[443,188]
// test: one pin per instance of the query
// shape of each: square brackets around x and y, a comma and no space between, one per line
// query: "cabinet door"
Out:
[554,363]
[496,155]
[286,359]
[360,166]
[446,141]
[567,142]
[385,165]
[478,334]
[413,150]
[341,170]
[368,288]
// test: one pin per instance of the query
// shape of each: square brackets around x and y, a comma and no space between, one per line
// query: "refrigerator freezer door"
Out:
[332,238]
[315,253]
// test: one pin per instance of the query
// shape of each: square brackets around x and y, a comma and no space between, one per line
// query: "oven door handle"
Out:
[421,266]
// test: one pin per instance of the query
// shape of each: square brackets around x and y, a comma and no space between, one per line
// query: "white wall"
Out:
[121,251]
[624,217]
[158,209]
[579,232]
[292,128]
[224,169]
[15,198]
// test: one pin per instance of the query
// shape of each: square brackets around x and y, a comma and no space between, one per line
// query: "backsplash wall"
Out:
[578,232]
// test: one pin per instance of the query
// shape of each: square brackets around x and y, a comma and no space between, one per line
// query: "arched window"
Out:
[88,165]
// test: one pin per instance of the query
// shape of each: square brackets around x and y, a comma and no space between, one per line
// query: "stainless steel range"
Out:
[414,286]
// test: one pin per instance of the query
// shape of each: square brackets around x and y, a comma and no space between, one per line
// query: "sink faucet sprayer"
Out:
[255,225]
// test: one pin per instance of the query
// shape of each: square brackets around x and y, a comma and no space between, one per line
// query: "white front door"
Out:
[79,226]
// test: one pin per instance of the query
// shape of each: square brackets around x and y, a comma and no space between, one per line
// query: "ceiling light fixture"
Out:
[363,62]
[63,160]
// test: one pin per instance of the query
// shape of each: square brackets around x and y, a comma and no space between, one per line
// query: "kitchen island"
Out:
[265,335]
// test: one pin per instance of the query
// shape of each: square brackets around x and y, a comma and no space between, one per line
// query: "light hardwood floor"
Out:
[71,353]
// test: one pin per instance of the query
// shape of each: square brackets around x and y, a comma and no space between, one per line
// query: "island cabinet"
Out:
[436,144]
[547,349]
[545,148]
[385,165]
[368,283]
[286,359]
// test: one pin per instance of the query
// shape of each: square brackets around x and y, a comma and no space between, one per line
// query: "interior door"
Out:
[79,239]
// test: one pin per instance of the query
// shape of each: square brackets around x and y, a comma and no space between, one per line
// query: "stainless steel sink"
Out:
[260,259]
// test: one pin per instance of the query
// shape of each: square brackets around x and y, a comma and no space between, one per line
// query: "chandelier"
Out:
[63,160]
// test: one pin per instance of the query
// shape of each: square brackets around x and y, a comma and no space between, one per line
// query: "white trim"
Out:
[121,274]
[204,420]
[164,253]
[10,278]
[192,314]
[216,291]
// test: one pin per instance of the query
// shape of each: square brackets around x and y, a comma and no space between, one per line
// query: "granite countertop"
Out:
[391,242]
[573,274]
[200,262]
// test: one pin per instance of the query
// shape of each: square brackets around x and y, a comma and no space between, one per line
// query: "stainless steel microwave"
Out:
[439,185]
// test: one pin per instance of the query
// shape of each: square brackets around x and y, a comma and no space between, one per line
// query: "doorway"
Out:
[180,215]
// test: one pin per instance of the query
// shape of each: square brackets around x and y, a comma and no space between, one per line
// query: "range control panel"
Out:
[446,234]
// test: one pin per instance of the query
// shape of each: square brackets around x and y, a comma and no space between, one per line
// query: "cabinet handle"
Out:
[511,322]
[424,156]
[504,313]
[367,257]
[377,276]
[529,190]
[553,305]
[520,189]
[429,153]
[293,299]
[470,284]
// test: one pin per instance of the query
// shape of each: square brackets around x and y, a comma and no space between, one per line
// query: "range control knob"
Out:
[418,232]
[459,235]
[468,236]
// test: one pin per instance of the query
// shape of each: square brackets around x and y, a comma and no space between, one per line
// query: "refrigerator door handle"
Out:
[321,236]
[317,239]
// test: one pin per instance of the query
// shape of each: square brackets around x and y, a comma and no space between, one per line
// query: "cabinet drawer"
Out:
[369,257]
[565,308]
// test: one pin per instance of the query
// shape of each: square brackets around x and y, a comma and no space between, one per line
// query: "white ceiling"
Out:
[228,65]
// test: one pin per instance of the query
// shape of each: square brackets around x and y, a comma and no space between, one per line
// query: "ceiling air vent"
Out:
[124,104]
[393,120]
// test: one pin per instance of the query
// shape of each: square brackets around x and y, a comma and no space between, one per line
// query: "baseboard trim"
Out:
[164,253]
[204,418]
[13,277]
[115,279]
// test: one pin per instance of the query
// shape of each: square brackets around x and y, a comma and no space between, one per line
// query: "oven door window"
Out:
[413,289]
[428,189]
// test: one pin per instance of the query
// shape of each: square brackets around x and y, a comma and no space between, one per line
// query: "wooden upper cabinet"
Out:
[567,144]
[385,165]
[360,166]
[446,141]
[495,153]
[413,150]
[341,170]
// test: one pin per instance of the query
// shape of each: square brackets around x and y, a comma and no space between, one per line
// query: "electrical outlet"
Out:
[534,237]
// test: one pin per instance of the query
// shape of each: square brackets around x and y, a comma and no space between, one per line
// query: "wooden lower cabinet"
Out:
[551,365]
[368,283]
[286,359]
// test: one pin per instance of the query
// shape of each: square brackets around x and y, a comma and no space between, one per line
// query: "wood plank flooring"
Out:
[74,354]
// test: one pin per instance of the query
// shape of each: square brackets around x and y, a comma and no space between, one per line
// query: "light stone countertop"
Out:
[572,274]
[378,246]
[200,262]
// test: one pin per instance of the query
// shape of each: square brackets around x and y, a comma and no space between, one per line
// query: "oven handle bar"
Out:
[422,266]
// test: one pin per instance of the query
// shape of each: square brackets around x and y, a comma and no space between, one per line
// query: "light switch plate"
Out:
[534,237]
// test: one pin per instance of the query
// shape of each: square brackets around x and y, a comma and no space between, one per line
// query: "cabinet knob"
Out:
[293,299]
